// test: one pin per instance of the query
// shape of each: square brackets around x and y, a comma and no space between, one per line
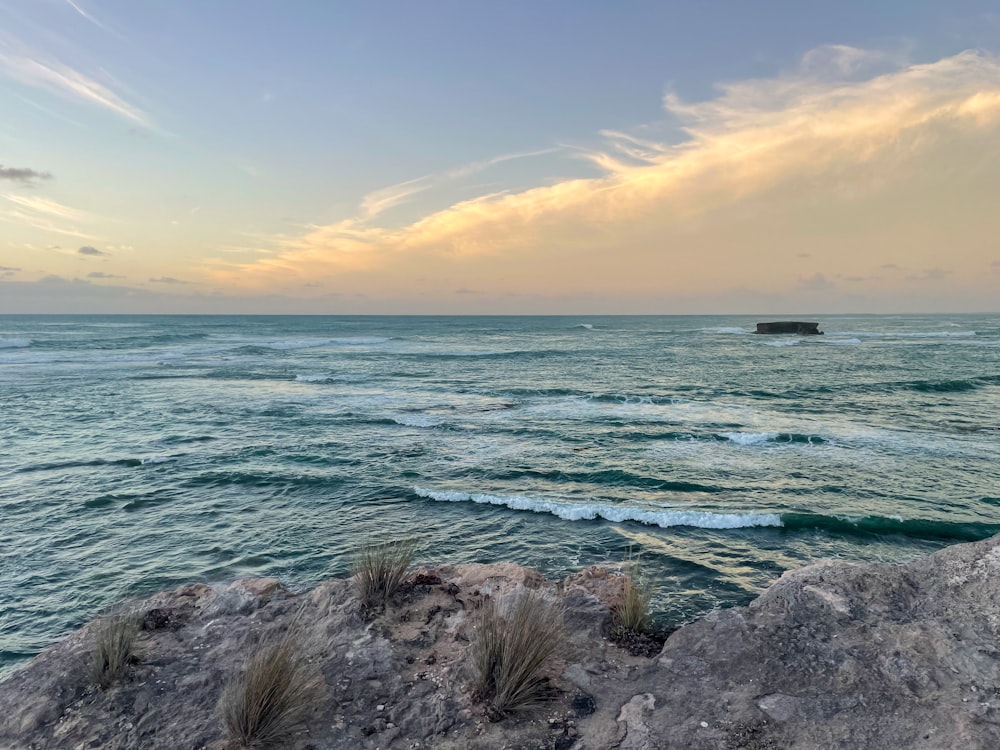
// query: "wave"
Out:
[952,386]
[907,334]
[882,525]
[841,342]
[724,329]
[58,465]
[156,460]
[570,511]
[15,343]
[343,378]
[669,517]
[784,342]
[313,343]
[588,326]
[759,438]
[415,420]
[606,477]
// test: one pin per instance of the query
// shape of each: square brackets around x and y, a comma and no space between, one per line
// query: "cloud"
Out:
[168,280]
[930,274]
[88,250]
[816,282]
[89,17]
[46,215]
[811,157]
[22,174]
[46,206]
[102,275]
[379,201]
[68,83]
[9,268]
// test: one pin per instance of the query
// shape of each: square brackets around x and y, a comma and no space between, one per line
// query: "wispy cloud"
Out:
[102,275]
[385,198]
[46,206]
[68,83]
[168,280]
[46,215]
[378,201]
[90,250]
[22,174]
[86,15]
[830,137]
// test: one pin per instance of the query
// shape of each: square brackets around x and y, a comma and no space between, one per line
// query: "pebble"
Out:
[704,725]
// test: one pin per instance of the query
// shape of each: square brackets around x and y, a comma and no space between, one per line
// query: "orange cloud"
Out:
[759,163]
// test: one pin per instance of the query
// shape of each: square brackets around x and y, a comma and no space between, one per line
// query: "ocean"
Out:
[141,452]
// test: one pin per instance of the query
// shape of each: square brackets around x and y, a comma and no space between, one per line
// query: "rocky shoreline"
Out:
[833,655]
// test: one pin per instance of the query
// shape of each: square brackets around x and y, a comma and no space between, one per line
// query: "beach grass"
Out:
[378,569]
[512,644]
[631,614]
[113,648]
[263,705]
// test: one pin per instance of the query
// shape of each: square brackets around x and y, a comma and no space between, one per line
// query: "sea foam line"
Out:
[617,513]
[14,343]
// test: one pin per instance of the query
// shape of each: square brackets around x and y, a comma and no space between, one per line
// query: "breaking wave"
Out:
[574,511]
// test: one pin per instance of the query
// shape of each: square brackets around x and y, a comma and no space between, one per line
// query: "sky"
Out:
[243,156]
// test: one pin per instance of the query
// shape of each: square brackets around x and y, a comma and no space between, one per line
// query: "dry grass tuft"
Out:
[113,649]
[632,613]
[509,651]
[263,705]
[379,568]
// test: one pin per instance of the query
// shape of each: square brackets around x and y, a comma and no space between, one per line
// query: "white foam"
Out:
[616,513]
[588,326]
[14,343]
[313,378]
[360,340]
[906,334]
[156,460]
[724,329]
[783,342]
[312,343]
[848,342]
[749,438]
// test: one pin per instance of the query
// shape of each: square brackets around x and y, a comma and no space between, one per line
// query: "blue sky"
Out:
[318,157]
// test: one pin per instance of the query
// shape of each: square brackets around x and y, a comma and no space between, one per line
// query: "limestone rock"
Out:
[833,655]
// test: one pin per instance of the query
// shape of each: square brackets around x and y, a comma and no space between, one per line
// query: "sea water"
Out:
[138,453]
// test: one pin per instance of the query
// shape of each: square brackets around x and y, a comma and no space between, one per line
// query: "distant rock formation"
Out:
[789,326]
[834,655]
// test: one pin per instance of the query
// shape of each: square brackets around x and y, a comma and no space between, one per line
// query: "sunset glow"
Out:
[846,176]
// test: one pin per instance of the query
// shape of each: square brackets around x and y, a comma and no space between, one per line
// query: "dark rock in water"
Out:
[789,326]
[834,655]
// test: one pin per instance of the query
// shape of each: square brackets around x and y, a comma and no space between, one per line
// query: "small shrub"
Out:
[264,704]
[113,649]
[379,569]
[510,649]
[631,615]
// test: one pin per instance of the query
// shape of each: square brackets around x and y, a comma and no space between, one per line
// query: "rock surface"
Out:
[833,655]
[790,326]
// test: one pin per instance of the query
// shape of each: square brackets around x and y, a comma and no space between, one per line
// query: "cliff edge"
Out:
[834,655]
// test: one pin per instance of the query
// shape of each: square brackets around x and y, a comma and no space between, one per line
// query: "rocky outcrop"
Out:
[833,655]
[790,326]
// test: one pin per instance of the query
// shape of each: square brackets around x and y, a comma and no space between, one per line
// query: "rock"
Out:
[833,655]
[789,326]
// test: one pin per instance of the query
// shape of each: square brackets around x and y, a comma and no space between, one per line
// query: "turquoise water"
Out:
[137,453]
